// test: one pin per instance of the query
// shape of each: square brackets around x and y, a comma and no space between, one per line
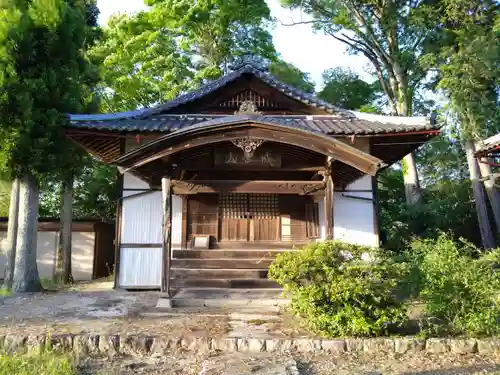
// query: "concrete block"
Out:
[437,345]
[278,345]
[378,345]
[225,344]
[462,346]
[488,346]
[334,346]
[251,345]
[408,345]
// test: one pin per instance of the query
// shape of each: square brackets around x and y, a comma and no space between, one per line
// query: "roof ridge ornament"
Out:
[249,59]
[249,108]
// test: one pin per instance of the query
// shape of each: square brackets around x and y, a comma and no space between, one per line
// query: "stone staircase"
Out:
[222,268]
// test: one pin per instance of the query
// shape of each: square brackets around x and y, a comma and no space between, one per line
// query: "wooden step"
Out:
[223,254]
[224,283]
[221,263]
[188,273]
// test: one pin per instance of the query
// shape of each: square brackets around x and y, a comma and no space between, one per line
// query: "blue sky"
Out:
[311,52]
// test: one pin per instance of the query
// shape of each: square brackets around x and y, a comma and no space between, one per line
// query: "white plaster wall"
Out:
[131,182]
[353,219]
[82,257]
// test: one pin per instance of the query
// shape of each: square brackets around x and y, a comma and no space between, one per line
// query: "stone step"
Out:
[197,273]
[266,300]
[221,263]
[224,283]
[223,254]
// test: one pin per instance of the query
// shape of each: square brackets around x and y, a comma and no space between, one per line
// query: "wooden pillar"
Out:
[184,221]
[166,188]
[328,204]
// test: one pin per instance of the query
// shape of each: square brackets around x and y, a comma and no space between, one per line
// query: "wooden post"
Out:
[184,221]
[328,203]
[166,188]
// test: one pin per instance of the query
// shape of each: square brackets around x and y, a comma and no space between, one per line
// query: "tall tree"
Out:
[469,74]
[392,35]
[43,75]
[345,88]
[155,55]
[74,165]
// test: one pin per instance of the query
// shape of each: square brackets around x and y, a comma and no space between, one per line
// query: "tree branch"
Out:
[304,22]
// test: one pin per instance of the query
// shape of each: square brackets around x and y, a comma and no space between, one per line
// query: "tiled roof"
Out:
[364,124]
[341,121]
[488,145]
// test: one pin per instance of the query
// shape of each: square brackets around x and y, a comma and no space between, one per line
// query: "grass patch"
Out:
[4,292]
[37,364]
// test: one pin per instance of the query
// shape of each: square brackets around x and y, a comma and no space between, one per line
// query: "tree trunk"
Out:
[477,188]
[493,193]
[26,277]
[63,264]
[12,234]
[413,192]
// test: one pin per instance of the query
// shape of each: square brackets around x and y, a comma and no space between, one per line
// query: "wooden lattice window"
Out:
[247,95]
[264,206]
[312,220]
[234,205]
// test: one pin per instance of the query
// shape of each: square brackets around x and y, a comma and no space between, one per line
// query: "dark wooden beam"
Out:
[241,186]
[329,188]
[166,184]
[298,168]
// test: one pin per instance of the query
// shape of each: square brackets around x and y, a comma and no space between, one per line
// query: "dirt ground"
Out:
[94,308]
[290,364]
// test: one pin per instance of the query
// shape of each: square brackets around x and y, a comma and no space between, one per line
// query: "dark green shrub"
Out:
[338,289]
[459,285]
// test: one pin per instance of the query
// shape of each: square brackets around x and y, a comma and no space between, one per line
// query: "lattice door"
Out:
[264,212]
[234,216]
[249,217]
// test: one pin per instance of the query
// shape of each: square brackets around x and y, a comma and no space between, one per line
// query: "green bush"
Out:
[459,285]
[338,289]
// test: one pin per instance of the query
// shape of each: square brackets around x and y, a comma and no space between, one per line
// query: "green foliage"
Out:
[459,286]
[291,75]
[468,63]
[392,35]
[155,55]
[47,363]
[338,289]
[95,191]
[44,74]
[447,204]
[346,89]
[5,188]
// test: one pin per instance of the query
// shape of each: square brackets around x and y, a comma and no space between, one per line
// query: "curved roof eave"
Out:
[307,139]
